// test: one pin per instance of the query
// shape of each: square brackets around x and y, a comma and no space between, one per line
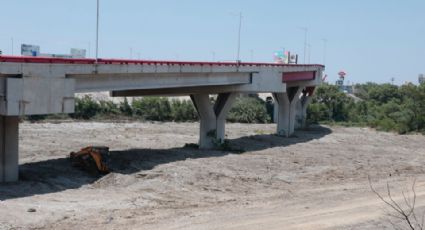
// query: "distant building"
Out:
[34,51]
[421,78]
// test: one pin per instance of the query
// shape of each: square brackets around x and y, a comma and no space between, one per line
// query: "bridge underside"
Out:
[49,88]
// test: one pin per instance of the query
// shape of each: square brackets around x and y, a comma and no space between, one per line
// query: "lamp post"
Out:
[12,45]
[325,43]
[89,49]
[309,52]
[305,29]
[97,32]
[252,55]
[239,36]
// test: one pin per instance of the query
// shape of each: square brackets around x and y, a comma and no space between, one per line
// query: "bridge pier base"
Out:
[212,118]
[305,100]
[9,148]
[285,104]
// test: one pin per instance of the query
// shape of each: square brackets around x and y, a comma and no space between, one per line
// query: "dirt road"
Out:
[316,180]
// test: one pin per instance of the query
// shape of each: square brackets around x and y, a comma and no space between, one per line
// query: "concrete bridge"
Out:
[34,85]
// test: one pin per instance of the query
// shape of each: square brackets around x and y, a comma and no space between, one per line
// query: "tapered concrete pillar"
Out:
[286,110]
[212,118]
[302,105]
[9,133]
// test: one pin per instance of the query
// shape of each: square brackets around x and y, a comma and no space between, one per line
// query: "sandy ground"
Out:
[316,180]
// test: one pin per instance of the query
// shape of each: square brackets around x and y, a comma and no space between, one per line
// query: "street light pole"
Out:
[89,46]
[12,45]
[239,37]
[252,55]
[305,29]
[97,32]
[309,52]
[325,41]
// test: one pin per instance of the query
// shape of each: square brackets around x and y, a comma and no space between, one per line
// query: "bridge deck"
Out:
[40,85]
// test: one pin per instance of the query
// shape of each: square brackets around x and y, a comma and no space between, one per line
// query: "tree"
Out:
[330,104]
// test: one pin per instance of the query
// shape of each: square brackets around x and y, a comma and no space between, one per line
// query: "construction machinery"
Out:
[92,159]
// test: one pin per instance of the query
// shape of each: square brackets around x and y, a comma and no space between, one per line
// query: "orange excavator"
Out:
[92,159]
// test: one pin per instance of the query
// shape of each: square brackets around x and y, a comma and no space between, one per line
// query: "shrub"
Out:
[329,104]
[152,108]
[125,108]
[85,108]
[249,110]
[183,110]
[385,107]
[108,108]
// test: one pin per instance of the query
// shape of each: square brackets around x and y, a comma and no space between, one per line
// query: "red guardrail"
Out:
[24,59]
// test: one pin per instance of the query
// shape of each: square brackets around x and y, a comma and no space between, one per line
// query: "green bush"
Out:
[125,108]
[85,108]
[384,107]
[152,108]
[249,110]
[108,108]
[35,118]
[183,110]
[317,112]
[329,104]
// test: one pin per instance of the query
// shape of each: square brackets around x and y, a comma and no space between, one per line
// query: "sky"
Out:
[371,40]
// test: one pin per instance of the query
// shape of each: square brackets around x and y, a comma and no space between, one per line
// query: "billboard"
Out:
[30,50]
[34,51]
[78,53]
[281,57]
[285,57]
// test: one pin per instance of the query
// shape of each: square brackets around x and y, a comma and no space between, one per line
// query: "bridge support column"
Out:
[305,100]
[9,158]
[212,117]
[286,110]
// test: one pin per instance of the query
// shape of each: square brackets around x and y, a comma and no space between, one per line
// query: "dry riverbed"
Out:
[315,180]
